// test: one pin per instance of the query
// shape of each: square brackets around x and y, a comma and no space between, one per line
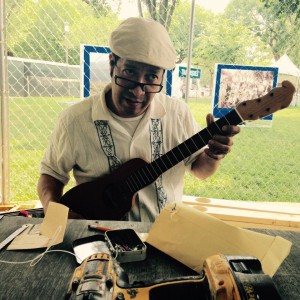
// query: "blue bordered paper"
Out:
[236,83]
[94,62]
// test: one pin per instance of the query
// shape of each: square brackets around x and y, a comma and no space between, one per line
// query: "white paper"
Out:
[50,232]
[191,236]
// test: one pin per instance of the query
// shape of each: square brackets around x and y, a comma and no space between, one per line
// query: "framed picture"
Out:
[236,83]
[94,69]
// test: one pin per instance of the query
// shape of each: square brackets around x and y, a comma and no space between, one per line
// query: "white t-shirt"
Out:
[75,145]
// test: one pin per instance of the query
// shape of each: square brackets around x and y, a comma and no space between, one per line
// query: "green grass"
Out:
[31,123]
[264,164]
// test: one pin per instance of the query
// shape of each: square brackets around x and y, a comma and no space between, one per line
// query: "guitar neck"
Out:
[150,172]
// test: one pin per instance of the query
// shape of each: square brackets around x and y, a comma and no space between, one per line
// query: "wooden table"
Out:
[50,277]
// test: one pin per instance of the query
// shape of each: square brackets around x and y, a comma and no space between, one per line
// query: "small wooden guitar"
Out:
[111,196]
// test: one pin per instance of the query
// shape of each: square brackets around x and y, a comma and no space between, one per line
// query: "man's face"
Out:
[127,102]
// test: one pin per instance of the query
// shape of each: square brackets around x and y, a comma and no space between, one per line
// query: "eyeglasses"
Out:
[131,84]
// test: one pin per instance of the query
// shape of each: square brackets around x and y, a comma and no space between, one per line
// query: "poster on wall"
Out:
[237,83]
[94,63]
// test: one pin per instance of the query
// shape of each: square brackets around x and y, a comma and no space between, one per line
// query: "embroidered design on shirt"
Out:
[156,149]
[107,144]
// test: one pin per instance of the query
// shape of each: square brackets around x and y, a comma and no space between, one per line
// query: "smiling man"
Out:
[131,118]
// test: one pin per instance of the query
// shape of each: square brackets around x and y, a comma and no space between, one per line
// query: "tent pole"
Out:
[190,51]
[4,125]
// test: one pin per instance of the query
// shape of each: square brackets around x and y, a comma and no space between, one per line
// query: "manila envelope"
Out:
[191,236]
[50,232]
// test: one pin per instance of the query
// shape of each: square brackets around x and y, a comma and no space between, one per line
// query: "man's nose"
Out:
[138,91]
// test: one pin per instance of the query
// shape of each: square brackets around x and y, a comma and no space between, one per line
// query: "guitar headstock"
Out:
[278,98]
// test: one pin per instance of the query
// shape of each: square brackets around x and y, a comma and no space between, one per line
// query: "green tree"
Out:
[288,12]
[159,10]
[102,8]
[180,27]
[276,23]
[229,42]
[37,29]
[284,8]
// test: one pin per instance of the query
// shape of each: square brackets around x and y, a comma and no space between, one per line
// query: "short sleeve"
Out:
[58,159]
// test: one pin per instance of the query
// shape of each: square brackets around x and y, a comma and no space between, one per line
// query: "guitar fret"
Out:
[167,161]
[140,176]
[148,178]
[133,183]
[140,180]
[198,135]
[191,145]
[218,128]
[211,134]
[175,153]
[165,167]
[129,184]
[224,121]
[185,144]
[164,161]
[192,139]
[145,175]
[157,165]
[147,169]
[153,168]
[205,135]
[172,152]
[181,152]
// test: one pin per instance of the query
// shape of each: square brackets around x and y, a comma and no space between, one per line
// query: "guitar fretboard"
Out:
[150,172]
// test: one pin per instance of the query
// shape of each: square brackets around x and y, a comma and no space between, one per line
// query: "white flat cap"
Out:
[143,40]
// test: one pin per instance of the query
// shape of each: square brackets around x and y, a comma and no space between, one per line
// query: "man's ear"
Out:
[111,63]
[112,59]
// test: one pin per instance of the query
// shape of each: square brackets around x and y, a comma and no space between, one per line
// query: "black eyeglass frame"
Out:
[136,83]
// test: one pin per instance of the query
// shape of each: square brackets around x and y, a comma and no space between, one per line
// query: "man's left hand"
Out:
[220,144]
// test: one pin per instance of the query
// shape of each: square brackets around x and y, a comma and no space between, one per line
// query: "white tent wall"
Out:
[289,71]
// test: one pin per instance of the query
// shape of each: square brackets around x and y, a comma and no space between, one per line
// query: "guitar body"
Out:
[107,197]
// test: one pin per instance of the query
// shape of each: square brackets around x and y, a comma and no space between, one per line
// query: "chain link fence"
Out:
[41,42]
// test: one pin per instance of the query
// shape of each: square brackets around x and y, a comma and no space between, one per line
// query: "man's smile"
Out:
[133,101]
